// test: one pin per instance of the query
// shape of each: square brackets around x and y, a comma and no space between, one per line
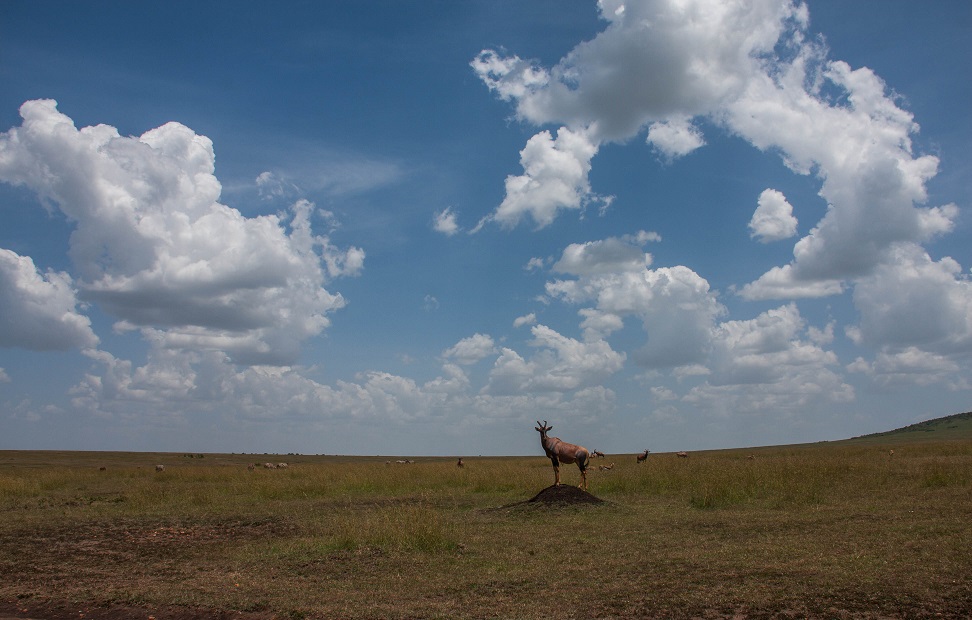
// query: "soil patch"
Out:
[55,610]
[557,496]
[564,494]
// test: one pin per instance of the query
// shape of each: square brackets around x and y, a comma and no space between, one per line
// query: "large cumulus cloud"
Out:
[665,69]
[155,248]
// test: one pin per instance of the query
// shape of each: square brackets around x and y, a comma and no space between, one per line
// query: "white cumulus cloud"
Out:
[561,365]
[657,60]
[555,178]
[754,70]
[773,219]
[915,302]
[39,311]
[769,363]
[445,222]
[155,248]
[472,349]
[675,138]
[675,304]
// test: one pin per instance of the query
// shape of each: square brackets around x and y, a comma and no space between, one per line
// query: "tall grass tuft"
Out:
[403,528]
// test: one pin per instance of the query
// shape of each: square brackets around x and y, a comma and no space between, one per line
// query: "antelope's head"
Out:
[542,429]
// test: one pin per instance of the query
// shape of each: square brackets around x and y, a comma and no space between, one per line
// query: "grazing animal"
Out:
[269,466]
[249,467]
[562,452]
[643,456]
[751,457]
[597,454]
[282,466]
[682,455]
[102,469]
[160,468]
[891,454]
[606,467]
[460,464]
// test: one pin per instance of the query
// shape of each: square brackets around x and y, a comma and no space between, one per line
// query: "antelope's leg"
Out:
[583,484]
[556,465]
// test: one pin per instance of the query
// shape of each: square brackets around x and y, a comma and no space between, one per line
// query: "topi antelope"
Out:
[460,464]
[562,452]
[597,454]
[682,455]
[643,456]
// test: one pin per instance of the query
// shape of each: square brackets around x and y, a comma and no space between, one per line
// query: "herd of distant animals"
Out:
[557,450]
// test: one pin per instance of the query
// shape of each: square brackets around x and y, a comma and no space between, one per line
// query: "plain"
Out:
[873,527]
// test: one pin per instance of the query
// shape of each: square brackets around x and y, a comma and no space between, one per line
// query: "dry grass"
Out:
[815,531]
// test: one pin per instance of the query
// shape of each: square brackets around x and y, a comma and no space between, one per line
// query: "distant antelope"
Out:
[606,467]
[282,466]
[249,467]
[682,455]
[891,454]
[597,454]
[160,468]
[562,452]
[269,466]
[460,464]
[643,456]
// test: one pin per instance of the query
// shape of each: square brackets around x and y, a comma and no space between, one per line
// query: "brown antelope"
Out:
[597,454]
[643,456]
[160,468]
[562,452]
[682,455]
[460,464]
[606,467]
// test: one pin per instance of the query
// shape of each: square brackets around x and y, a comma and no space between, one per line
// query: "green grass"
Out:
[823,530]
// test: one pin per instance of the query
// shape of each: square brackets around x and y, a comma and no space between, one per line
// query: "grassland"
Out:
[825,530]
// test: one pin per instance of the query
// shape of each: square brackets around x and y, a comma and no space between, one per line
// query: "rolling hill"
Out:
[958,427]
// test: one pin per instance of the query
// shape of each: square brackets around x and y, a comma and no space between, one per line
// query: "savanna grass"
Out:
[821,530]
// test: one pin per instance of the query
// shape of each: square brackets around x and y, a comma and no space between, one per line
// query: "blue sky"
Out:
[416,228]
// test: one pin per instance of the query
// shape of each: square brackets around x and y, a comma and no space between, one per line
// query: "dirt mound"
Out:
[553,496]
[564,494]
